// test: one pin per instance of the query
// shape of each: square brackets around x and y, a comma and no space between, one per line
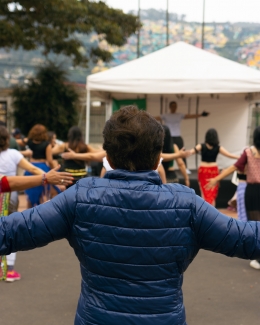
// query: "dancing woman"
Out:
[38,142]
[208,168]
[75,142]
[249,160]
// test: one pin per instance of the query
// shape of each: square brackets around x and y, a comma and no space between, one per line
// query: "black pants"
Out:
[252,203]
[180,144]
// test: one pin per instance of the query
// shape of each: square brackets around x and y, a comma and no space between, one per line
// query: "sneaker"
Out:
[255,264]
[12,276]
[188,171]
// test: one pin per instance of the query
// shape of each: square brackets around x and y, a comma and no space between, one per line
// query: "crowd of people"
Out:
[133,234]
[40,154]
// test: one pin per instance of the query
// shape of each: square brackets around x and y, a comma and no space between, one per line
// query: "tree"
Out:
[48,99]
[54,25]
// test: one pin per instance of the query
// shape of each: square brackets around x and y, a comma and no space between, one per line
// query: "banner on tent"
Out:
[118,103]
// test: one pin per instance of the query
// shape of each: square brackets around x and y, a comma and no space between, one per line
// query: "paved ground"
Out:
[217,290]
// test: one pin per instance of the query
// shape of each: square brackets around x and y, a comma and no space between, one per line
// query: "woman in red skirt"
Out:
[208,168]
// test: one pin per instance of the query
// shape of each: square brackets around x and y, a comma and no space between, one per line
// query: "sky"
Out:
[215,10]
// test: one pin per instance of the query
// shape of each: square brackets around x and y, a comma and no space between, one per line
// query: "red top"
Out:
[253,166]
[4,185]
[242,161]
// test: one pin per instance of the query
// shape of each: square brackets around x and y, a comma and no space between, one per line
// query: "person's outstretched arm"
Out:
[19,183]
[171,156]
[40,225]
[196,149]
[212,182]
[239,165]
[226,153]
[88,156]
[189,116]
[221,234]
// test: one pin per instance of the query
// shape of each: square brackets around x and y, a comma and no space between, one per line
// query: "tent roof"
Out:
[178,69]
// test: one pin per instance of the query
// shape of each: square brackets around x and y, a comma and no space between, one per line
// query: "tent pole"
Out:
[88,116]
[138,32]
[203,26]
[161,106]
[197,128]
[167,23]
[189,102]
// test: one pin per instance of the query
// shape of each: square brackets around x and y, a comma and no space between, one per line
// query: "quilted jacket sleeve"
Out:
[221,234]
[38,226]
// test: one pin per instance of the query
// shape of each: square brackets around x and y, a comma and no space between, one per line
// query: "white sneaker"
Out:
[255,264]
[188,171]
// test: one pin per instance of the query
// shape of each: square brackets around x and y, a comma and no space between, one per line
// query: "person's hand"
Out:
[58,178]
[187,182]
[27,153]
[69,155]
[184,154]
[212,182]
[205,114]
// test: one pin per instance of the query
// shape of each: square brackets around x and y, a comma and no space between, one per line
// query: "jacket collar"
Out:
[142,175]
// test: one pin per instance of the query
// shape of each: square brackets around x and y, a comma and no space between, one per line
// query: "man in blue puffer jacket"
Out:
[133,236]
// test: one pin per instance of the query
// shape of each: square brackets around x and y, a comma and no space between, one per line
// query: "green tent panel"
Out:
[140,103]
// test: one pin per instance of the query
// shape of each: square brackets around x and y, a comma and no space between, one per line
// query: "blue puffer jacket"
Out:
[134,238]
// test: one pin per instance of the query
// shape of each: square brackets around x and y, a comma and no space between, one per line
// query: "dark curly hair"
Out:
[4,138]
[256,138]
[211,137]
[133,139]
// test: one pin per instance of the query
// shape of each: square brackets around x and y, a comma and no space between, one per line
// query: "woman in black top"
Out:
[38,143]
[77,168]
[208,168]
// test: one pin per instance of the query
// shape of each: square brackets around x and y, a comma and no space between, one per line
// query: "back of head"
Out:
[211,137]
[75,139]
[133,139]
[256,138]
[38,133]
[4,138]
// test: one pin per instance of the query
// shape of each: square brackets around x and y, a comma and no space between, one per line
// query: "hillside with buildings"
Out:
[236,41]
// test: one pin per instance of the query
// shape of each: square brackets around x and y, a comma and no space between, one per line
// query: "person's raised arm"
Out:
[92,149]
[18,183]
[49,157]
[88,156]
[26,165]
[58,148]
[22,142]
[221,234]
[182,153]
[190,116]
[226,153]
[212,182]
[196,149]
[40,225]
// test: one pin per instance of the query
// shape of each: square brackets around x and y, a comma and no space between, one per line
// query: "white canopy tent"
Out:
[186,74]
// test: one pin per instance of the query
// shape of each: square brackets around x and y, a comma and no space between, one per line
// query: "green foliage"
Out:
[48,99]
[53,24]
